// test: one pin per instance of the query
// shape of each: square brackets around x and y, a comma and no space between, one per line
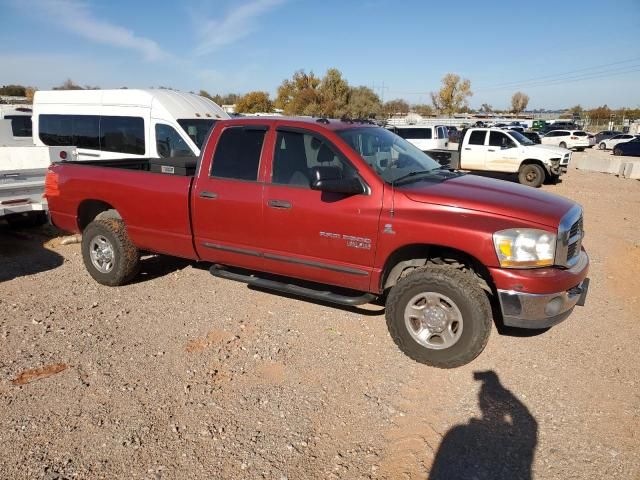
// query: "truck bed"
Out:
[155,204]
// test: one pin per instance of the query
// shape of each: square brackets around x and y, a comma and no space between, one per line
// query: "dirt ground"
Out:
[183,375]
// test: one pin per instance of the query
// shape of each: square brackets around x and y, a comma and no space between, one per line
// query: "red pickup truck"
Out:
[344,212]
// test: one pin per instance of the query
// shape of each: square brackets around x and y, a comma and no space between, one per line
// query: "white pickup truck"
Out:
[22,172]
[496,150]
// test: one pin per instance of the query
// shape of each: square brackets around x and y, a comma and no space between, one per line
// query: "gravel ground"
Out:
[182,375]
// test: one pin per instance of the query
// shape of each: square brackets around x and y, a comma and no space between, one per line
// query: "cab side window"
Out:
[237,154]
[477,137]
[297,155]
[499,139]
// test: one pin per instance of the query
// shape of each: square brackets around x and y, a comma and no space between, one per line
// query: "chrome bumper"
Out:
[529,310]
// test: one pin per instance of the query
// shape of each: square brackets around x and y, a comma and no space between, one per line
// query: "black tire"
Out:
[125,255]
[531,174]
[617,151]
[602,146]
[562,145]
[580,149]
[552,179]
[463,289]
[27,220]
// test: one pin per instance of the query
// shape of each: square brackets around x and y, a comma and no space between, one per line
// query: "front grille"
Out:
[575,240]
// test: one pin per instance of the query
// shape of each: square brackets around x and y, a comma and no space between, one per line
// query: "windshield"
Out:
[197,129]
[520,138]
[388,154]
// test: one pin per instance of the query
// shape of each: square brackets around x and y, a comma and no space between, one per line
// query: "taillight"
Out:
[51,186]
[63,155]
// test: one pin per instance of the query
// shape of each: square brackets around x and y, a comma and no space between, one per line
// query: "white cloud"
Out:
[76,17]
[238,23]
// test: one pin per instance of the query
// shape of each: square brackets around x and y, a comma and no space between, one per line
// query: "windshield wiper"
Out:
[413,174]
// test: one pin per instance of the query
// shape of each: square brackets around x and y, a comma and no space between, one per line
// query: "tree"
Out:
[363,103]
[576,110]
[69,85]
[29,93]
[334,93]
[600,114]
[395,106]
[424,110]
[453,94]
[519,102]
[486,108]
[300,95]
[254,102]
[13,90]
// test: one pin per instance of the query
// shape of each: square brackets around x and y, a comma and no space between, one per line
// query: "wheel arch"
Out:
[90,209]
[408,257]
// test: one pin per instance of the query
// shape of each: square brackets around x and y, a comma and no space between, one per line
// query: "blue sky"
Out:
[560,53]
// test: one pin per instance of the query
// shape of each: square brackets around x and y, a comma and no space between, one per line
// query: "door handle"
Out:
[209,195]
[279,204]
[467,148]
[491,150]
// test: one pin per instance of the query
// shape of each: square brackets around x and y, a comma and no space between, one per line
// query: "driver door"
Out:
[502,153]
[323,237]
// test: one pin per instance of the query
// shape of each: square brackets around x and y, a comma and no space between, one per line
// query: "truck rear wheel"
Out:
[109,255]
[531,174]
[439,315]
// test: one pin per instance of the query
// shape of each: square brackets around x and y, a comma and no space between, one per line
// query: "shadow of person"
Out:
[500,445]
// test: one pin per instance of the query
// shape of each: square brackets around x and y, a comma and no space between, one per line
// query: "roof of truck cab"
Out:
[178,104]
[333,124]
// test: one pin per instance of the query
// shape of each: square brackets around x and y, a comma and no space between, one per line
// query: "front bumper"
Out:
[530,310]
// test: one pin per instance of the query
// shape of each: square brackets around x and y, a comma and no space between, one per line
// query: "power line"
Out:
[595,67]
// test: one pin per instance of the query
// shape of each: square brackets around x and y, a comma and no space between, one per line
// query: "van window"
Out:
[415,133]
[20,125]
[477,137]
[169,143]
[122,134]
[238,152]
[197,129]
[111,134]
[65,130]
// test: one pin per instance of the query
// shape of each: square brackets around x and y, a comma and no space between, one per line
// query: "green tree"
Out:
[363,103]
[395,106]
[13,90]
[68,84]
[453,95]
[254,102]
[519,102]
[300,95]
[334,93]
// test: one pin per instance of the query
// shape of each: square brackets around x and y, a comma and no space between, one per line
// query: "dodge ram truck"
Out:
[506,151]
[343,212]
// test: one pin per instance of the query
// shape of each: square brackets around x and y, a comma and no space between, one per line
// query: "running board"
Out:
[321,295]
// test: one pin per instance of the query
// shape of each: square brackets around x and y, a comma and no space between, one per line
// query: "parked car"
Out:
[20,117]
[425,137]
[454,134]
[533,136]
[496,150]
[538,125]
[108,124]
[571,139]
[605,134]
[515,128]
[610,143]
[630,148]
[559,126]
[344,205]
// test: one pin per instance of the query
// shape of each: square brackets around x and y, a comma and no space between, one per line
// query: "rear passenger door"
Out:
[472,156]
[227,200]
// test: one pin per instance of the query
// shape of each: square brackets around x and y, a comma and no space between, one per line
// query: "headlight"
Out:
[525,247]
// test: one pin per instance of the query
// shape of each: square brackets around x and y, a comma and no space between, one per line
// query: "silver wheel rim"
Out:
[433,320]
[101,253]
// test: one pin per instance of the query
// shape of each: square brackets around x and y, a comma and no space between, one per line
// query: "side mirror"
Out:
[328,179]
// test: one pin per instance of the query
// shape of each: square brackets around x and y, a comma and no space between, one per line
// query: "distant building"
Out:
[14,100]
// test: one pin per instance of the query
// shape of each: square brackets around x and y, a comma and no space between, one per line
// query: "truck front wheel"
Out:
[439,315]
[109,255]
[531,174]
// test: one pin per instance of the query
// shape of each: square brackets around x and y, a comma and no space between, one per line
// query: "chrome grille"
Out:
[570,233]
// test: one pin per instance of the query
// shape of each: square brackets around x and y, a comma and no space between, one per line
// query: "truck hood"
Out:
[498,197]
[549,151]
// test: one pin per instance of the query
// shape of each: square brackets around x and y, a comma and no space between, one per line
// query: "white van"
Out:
[108,124]
[20,118]
[425,137]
